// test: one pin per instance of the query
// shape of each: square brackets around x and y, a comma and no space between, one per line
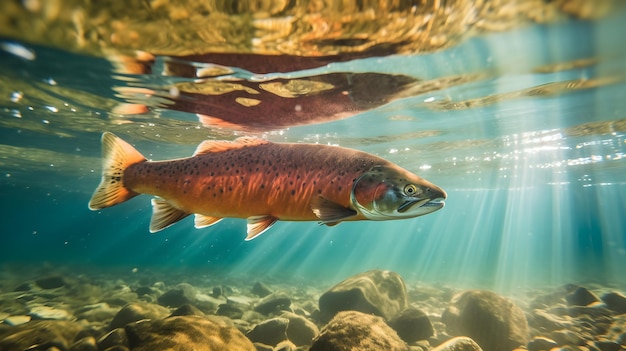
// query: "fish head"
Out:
[387,192]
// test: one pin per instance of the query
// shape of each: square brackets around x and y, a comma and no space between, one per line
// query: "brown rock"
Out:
[460,343]
[138,311]
[356,331]
[412,325]
[186,333]
[45,333]
[378,292]
[491,320]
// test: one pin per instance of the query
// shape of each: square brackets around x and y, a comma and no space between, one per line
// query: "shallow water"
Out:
[524,128]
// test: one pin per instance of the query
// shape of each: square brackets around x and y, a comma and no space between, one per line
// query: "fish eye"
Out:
[410,189]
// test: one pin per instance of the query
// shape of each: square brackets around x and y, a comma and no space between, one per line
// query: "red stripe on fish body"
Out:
[280,180]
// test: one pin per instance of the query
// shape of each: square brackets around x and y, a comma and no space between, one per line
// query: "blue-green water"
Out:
[536,179]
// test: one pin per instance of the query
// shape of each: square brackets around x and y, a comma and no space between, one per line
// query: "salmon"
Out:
[263,182]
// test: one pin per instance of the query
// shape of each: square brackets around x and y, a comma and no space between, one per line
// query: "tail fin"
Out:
[117,156]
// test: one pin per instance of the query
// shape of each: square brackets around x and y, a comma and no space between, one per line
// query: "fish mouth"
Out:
[435,203]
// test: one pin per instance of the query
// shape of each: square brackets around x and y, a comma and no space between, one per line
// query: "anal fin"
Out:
[257,225]
[164,215]
[330,212]
[202,221]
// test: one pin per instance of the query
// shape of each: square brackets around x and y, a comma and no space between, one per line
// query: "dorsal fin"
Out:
[210,146]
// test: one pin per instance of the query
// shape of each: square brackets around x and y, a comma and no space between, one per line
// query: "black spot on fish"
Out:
[319,191]
[340,188]
[293,192]
[230,188]
[262,186]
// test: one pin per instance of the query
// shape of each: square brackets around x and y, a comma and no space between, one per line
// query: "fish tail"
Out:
[117,156]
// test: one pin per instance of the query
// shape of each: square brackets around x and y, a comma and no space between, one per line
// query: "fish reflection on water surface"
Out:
[264,182]
[225,101]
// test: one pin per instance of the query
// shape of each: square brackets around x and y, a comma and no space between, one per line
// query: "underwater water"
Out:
[524,128]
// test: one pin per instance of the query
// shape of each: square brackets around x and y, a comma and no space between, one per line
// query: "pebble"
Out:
[17,320]
[45,312]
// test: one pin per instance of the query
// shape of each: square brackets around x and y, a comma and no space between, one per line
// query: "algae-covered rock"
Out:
[46,333]
[460,343]
[180,295]
[493,321]
[356,331]
[378,292]
[412,325]
[269,332]
[138,311]
[186,333]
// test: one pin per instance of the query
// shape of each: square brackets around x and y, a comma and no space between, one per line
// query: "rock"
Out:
[85,344]
[285,346]
[242,302]
[607,345]
[145,290]
[269,332]
[300,330]
[261,290]
[412,325]
[23,287]
[567,337]
[262,347]
[116,337]
[273,303]
[208,304]
[253,317]
[17,320]
[541,343]
[52,282]
[491,320]
[615,302]
[117,348]
[99,312]
[46,334]
[546,321]
[185,333]
[182,294]
[217,292]
[459,343]
[581,297]
[229,310]
[45,312]
[138,311]
[382,293]
[187,310]
[356,331]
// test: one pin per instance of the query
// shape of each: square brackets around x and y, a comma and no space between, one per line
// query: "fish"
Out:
[258,105]
[263,182]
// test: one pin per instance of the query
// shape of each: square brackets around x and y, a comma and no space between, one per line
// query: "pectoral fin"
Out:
[164,215]
[202,221]
[257,225]
[330,212]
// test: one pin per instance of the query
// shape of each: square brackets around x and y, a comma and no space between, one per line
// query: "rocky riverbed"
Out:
[374,310]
